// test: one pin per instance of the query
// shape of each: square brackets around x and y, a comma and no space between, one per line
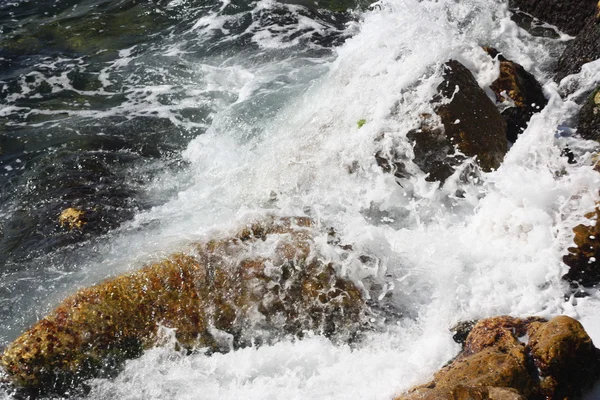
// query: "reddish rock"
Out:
[518,92]
[218,296]
[584,258]
[506,358]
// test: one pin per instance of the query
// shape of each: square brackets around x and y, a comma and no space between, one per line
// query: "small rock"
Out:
[72,218]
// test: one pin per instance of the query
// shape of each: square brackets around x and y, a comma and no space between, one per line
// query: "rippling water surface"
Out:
[166,121]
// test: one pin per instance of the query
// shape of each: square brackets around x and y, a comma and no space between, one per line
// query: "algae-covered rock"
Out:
[584,258]
[519,93]
[471,124]
[217,297]
[589,117]
[506,358]
[72,218]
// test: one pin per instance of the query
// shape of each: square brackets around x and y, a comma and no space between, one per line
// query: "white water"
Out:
[441,258]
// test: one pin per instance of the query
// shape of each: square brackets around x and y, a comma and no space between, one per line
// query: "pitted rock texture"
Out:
[218,296]
[518,92]
[506,358]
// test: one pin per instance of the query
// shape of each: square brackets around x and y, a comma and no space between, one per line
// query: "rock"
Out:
[519,93]
[217,297]
[517,359]
[72,218]
[584,259]
[564,355]
[583,49]
[568,16]
[589,117]
[461,331]
[533,25]
[471,124]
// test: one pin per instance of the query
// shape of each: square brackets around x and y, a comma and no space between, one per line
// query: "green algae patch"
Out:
[220,289]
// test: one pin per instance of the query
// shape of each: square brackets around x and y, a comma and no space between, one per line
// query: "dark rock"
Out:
[568,16]
[434,153]
[519,92]
[533,25]
[583,49]
[515,359]
[471,124]
[584,259]
[589,117]
[461,331]
[219,296]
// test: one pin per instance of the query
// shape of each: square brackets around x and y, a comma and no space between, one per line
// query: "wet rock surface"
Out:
[588,126]
[583,259]
[514,358]
[568,16]
[219,297]
[471,124]
[518,93]
[583,49]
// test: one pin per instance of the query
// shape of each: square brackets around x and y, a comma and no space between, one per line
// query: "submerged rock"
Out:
[516,359]
[589,117]
[471,124]
[568,16]
[518,92]
[220,296]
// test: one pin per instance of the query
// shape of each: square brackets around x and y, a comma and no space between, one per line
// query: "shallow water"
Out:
[228,111]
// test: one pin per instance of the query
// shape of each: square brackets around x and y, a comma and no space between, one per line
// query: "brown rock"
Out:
[584,259]
[471,123]
[495,364]
[565,356]
[72,218]
[519,92]
[217,297]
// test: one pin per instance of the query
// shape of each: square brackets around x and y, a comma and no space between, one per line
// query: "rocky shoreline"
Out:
[219,295]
